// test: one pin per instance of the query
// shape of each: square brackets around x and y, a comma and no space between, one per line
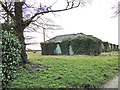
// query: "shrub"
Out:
[11,56]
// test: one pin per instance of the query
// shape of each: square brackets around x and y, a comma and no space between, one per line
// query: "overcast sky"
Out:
[93,19]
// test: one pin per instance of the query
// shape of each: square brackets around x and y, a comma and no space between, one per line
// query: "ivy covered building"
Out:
[72,44]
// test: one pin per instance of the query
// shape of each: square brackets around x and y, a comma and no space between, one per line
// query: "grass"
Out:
[77,71]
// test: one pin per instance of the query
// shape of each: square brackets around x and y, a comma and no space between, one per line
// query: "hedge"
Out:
[11,56]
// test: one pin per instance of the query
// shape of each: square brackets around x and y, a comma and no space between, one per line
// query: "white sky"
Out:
[93,19]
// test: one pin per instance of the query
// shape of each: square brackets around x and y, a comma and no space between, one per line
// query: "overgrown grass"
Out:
[77,71]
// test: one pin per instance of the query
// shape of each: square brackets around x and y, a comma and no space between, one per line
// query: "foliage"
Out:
[87,45]
[110,47]
[11,56]
[48,48]
[65,46]
[115,47]
[8,26]
[17,12]
[106,47]
[77,71]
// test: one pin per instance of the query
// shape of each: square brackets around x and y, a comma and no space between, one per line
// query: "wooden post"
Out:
[44,34]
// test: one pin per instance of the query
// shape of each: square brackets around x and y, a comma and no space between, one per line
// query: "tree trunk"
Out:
[19,29]
[22,41]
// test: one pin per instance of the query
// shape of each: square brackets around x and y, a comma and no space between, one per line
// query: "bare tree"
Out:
[116,8]
[44,24]
[14,12]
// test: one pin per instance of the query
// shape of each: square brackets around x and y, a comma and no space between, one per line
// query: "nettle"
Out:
[11,57]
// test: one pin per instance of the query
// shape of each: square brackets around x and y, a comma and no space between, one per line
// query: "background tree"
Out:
[14,13]
[116,8]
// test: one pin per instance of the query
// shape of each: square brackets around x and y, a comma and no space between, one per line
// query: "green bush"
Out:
[11,56]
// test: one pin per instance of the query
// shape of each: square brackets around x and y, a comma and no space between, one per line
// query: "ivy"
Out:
[87,45]
[11,57]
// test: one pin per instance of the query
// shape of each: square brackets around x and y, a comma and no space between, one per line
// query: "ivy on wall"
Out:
[87,45]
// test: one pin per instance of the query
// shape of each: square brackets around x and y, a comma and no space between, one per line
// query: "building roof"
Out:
[61,37]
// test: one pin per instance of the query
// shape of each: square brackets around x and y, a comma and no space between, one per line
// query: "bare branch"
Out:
[7,11]
[48,11]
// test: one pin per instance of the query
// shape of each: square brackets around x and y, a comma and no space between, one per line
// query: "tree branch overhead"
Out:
[48,11]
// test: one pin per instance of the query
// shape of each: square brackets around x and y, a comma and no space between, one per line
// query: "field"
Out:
[77,71]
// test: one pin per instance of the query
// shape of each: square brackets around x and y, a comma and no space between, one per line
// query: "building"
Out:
[68,45]
[75,44]
[61,37]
